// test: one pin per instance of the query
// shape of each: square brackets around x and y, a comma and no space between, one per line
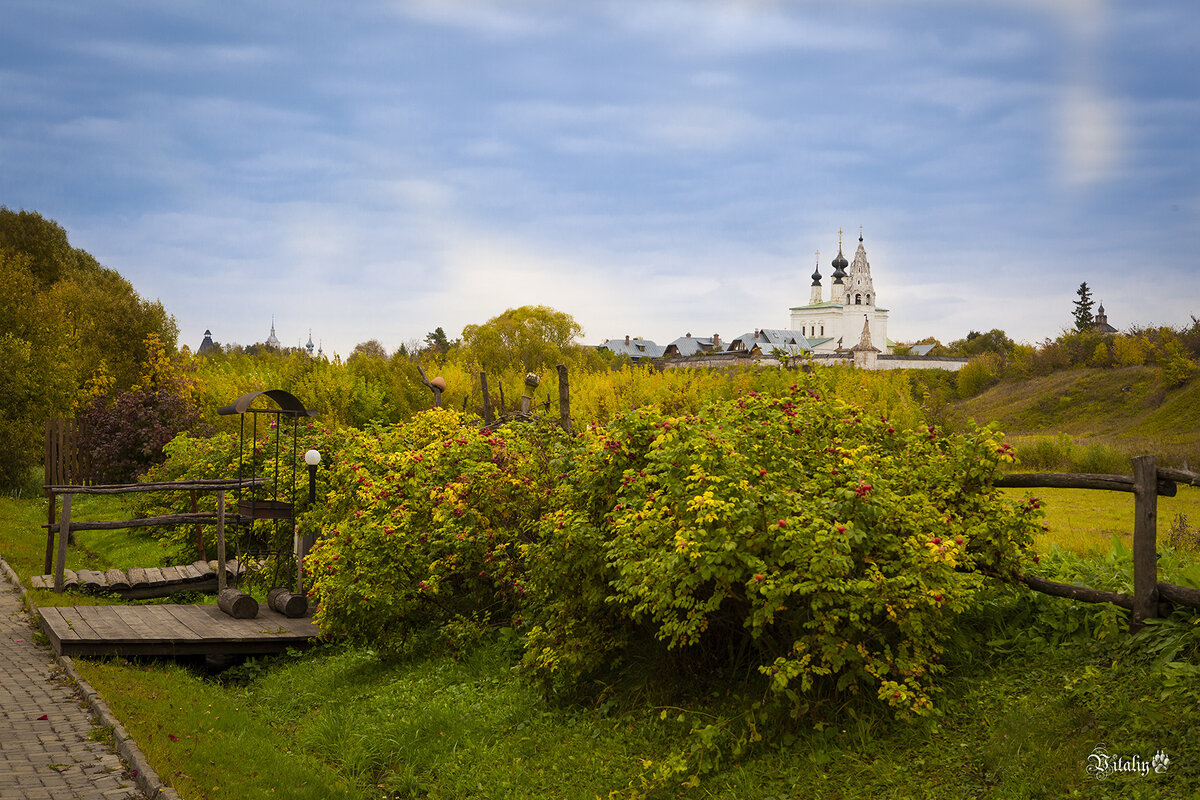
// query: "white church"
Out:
[851,313]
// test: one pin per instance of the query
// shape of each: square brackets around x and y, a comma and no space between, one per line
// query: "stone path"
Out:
[45,749]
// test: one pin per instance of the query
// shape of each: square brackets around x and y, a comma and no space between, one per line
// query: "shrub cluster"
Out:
[831,549]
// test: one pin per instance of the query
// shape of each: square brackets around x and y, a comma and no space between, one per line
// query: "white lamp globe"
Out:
[312,458]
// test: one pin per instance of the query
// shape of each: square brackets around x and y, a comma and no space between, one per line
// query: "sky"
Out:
[374,170]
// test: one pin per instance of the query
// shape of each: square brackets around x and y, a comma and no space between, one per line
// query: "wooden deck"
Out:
[170,630]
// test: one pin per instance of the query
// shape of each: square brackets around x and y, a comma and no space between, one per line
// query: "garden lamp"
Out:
[312,458]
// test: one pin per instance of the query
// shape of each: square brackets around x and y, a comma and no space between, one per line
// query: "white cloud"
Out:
[502,19]
[1091,136]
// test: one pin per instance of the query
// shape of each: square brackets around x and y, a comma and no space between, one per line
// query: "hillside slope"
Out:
[1128,408]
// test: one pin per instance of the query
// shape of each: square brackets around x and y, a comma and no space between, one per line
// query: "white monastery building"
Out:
[850,315]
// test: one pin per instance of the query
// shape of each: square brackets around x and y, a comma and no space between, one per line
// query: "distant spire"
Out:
[273,340]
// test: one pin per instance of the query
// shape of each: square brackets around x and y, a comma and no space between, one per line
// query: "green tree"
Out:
[1083,308]
[530,338]
[976,343]
[436,340]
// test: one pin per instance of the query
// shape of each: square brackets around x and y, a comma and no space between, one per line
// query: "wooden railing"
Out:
[65,525]
[1148,482]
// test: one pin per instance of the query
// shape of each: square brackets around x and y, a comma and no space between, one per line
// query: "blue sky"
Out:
[377,169]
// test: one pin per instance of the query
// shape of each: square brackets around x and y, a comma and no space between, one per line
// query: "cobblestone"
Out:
[45,748]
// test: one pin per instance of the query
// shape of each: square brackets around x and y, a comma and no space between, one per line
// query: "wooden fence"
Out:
[1151,597]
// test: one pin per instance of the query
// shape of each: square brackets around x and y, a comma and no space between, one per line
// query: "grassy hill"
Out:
[1121,412]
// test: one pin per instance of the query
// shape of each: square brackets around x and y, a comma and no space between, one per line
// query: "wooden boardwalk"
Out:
[140,583]
[170,630]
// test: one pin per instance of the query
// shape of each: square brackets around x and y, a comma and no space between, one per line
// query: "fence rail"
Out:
[1148,482]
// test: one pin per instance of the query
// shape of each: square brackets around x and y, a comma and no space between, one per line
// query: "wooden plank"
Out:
[74,624]
[154,576]
[204,569]
[1145,547]
[116,579]
[55,627]
[190,573]
[37,581]
[137,577]
[172,574]
[161,624]
[219,627]
[107,624]
[70,579]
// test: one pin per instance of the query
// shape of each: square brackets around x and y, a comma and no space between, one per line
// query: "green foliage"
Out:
[978,374]
[66,323]
[425,528]
[1083,308]
[834,547]
[529,339]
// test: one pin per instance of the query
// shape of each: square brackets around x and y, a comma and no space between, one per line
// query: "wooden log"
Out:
[1179,595]
[137,577]
[1180,475]
[116,579]
[92,580]
[1077,480]
[1145,546]
[142,522]
[237,604]
[207,484]
[564,399]
[286,603]
[70,579]
[64,530]
[1073,592]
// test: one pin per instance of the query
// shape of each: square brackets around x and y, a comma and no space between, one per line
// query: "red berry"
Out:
[937,540]
[958,540]
[783,523]
[758,576]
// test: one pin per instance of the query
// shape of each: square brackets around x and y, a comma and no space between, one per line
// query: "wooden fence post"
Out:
[201,554]
[488,419]
[64,529]
[1145,545]
[564,399]
[220,541]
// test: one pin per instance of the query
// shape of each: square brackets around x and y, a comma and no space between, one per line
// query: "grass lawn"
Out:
[1032,687]
[1085,521]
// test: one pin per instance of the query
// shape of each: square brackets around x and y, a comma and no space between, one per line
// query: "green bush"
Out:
[425,529]
[833,547]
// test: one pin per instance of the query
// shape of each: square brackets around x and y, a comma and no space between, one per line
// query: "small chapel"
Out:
[851,316]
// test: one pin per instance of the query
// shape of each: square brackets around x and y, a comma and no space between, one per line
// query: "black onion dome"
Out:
[840,263]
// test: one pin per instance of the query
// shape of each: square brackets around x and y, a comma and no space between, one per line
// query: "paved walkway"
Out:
[45,752]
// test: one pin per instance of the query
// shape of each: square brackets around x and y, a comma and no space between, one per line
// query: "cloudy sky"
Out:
[378,169]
